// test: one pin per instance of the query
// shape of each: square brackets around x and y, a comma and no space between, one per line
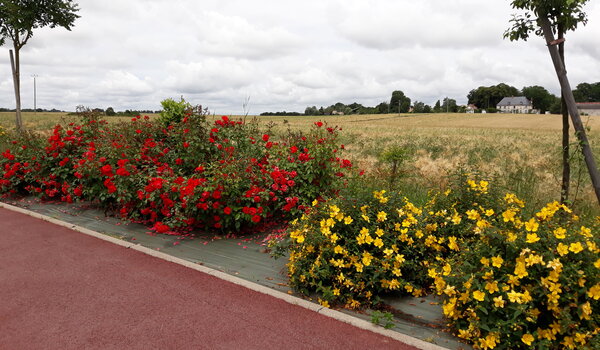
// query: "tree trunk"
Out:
[14,62]
[572,108]
[566,175]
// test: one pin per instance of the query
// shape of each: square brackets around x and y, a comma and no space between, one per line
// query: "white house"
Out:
[518,104]
[589,108]
[471,108]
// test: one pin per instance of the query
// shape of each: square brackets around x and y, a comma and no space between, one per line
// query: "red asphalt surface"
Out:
[60,289]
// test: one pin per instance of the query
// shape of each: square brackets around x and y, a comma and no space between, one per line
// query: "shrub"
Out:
[225,175]
[173,111]
[526,281]
[508,280]
[353,251]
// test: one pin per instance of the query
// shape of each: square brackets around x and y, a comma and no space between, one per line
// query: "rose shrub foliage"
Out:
[224,175]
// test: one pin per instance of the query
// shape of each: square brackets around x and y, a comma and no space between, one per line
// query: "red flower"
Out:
[269,144]
[110,186]
[216,194]
[293,149]
[265,137]
[161,228]
[256,219]
[227,210]
[106,170]
[123,172]
[319,124]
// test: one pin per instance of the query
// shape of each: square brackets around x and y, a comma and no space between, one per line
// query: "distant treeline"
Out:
[484,98]
[41,110]
[110,112]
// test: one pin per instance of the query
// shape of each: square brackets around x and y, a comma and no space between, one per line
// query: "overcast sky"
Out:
[285,55]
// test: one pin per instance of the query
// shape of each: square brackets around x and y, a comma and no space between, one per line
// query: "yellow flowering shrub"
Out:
[526,281]
[510,277]
[352,252]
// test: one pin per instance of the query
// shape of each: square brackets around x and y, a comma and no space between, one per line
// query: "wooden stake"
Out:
[561,72]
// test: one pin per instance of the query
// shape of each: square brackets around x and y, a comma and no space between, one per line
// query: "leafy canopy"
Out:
[18,18]
[564,15]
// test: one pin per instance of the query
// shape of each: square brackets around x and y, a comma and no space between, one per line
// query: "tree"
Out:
[539,97]
[437,108]
[311,111]
[383,108]
[544,18]
[586,92]
[486,97]
[18,18]
[399,103]
[449,106]
[419,107]
[110,112]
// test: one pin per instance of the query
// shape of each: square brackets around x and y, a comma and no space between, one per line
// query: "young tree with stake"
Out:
[18,19]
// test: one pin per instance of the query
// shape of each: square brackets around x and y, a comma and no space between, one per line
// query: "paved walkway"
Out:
[61,289]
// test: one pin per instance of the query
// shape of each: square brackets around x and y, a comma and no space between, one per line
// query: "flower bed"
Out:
[223,176]
[508,280]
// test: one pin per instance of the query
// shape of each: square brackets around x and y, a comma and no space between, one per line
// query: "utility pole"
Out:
[34,95]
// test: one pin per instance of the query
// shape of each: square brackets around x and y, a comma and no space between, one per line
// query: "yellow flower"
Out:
[324,303]
[473,214]
[366,258]
[378,242]
[527,339]
[492,287]
[334,238]
[399,258]
[478,295]
[511,237]
[485,261]
[388,252]
[520,269]
[497,261]
[381,216]
[456,219]
[338,249]
[532,225]
[559,233]
[532,237]
[452,243]
[489,212]
[586,232]
[315,203]
[489,342]
[509,215]
[562,249]
[597,264]
[333,211]
[358,267]
[594,292]
[348,220]
[499,302]
[576,247]
[379,232]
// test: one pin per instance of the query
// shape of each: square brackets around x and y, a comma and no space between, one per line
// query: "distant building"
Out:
[589,108]
[518,104]
[470,109]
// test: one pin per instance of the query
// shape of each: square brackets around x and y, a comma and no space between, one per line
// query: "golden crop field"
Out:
[521,153]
